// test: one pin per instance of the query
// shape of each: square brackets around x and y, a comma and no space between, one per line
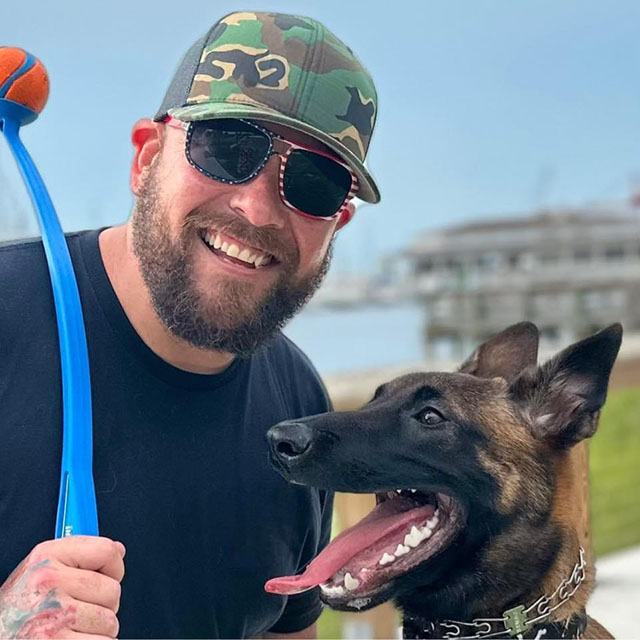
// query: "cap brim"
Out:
[368,190]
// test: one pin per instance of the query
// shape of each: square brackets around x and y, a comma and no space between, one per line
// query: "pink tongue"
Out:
[387,517]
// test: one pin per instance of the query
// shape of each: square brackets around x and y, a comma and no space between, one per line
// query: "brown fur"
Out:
[516,474]
[506,446]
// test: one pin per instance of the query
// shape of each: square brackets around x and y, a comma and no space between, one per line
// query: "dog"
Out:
[471,535]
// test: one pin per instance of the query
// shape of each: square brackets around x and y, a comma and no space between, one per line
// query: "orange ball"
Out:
[29,85]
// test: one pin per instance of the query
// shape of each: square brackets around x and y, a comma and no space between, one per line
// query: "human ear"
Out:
[346,215]
[146,138]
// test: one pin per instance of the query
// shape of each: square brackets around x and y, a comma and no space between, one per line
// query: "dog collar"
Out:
[518,622]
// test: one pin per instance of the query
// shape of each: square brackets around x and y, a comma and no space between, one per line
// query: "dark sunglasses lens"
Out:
[315,184]
[227,149]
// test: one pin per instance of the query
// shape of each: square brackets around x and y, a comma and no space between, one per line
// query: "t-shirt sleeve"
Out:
[303,609]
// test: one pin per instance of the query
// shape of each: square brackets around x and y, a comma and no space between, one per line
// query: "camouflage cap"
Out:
[284,69]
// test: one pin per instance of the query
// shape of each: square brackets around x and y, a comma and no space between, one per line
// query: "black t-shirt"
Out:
[180,464]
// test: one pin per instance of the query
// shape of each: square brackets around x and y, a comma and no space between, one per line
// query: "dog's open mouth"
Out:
[405,529]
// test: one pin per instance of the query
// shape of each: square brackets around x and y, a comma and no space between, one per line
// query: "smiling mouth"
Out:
[235,251]
[407,528]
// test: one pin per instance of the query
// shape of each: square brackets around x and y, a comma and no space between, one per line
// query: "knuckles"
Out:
[44,578]
[112,624]
[113,591]
[117,593]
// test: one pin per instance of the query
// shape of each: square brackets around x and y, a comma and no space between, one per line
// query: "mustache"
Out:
[263,238]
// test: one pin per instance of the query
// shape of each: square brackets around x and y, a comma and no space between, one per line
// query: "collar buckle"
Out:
[515,620]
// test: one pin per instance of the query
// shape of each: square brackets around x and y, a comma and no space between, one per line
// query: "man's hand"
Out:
[67,588]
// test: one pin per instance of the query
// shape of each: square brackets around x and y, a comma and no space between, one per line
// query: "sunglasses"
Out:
[234,151]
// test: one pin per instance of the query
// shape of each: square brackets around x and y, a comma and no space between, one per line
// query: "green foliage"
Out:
[615,474]
[330,625]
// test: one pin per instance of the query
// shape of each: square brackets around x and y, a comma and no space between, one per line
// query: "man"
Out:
[241,181]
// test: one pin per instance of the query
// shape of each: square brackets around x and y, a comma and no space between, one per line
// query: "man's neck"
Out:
[124,274]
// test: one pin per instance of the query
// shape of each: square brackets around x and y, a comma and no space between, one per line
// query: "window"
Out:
[614,253]
[583,254]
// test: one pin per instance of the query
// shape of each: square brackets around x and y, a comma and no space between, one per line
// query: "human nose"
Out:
[259,199]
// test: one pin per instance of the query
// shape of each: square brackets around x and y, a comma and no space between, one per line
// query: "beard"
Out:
[234,321]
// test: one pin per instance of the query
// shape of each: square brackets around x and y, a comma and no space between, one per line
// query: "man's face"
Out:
[203,295]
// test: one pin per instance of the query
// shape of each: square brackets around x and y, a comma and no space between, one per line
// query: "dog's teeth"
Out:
[414,538]
[358,603]
[386,558]
[332,591]
[433,523]
[401,550]
[398,491]
[350,583]
[425,533]
[410,541]
[413,490]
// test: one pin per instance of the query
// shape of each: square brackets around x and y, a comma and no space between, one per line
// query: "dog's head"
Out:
[465,468]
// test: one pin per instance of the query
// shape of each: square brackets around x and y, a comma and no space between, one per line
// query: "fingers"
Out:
[85,552]
[94,620]
[60,617]
[71,584]
[91,587]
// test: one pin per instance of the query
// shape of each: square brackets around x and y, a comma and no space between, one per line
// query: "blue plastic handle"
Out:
[77,510]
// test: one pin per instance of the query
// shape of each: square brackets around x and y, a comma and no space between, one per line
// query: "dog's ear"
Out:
[561,400]
[505,355]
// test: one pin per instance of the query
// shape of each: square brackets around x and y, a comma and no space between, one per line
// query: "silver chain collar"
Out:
[517,621]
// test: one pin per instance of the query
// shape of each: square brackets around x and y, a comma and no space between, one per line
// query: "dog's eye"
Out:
[430,416]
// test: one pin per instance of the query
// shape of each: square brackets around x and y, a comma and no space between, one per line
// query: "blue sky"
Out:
[486,108]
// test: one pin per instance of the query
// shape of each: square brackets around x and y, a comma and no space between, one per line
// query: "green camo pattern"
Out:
[287,65]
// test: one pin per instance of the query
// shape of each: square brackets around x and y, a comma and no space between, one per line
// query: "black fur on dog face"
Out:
[491,437]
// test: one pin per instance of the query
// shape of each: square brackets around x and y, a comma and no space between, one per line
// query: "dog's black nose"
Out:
[289,439]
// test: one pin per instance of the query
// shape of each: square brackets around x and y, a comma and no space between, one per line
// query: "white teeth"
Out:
[332,591]
[386,558]
[350,583]
[401,551]
[414,538]
[358,603]
[413,490]
[433,523]
[234,251]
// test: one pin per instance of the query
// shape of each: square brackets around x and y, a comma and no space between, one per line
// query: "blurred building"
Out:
[569,271]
